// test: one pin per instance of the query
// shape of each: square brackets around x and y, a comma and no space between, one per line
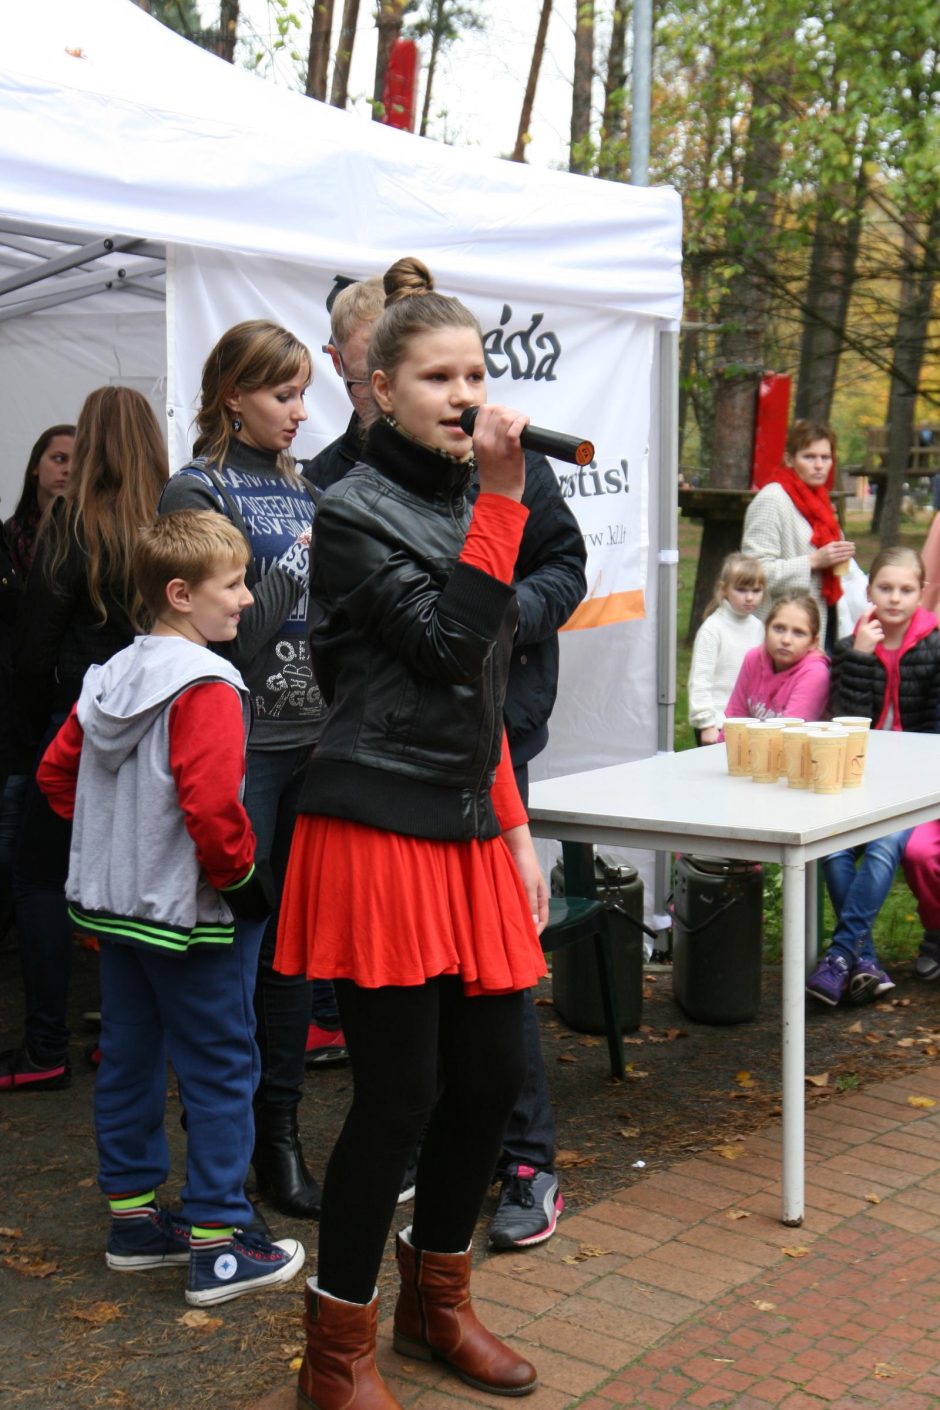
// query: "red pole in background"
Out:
[400,94]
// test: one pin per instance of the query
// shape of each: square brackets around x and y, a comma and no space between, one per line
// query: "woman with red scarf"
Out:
[791,526]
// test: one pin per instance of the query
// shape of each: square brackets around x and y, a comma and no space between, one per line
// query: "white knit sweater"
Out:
[776,534]
[721,643]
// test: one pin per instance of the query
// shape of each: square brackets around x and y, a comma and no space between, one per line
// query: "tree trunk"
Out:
[581,89]
[321,27]
[228,30]
[745,305]
[615,87]
[388,22]
[437,26]
[343,56]
[828,291]
[919,274]
[528,102]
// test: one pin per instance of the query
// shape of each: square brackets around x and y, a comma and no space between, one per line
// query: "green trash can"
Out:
[575,991]
[717,938]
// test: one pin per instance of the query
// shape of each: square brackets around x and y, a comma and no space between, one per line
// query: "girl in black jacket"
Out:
[889,672]
[413,882]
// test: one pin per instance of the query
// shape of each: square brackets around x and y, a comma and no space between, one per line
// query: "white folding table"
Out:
[687,802]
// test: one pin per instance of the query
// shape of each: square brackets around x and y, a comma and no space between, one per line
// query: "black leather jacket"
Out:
[411,649]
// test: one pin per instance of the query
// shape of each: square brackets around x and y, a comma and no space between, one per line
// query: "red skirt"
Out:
[379,908]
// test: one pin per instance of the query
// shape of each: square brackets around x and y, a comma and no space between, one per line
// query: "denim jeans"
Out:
[273,781]
[858,893]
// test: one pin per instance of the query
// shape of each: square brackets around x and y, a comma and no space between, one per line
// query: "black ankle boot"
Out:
[280,1169]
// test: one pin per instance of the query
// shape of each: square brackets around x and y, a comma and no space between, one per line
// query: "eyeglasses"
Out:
[354,385]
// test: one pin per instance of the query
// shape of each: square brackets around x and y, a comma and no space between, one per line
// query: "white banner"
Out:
[582,371]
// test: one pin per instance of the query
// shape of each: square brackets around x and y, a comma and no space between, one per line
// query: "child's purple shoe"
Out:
[868,981]
[829,980]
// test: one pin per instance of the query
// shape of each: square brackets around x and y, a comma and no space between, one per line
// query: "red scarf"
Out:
[814,504]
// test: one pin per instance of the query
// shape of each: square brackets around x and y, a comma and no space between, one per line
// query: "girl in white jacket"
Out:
[727,633]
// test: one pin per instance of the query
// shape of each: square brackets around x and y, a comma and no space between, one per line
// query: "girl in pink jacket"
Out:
[788,674]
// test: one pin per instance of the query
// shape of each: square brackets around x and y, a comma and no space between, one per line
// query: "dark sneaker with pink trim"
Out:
[528,1209]
[18,1073]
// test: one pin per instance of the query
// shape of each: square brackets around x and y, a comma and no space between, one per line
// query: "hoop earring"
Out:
[237,424]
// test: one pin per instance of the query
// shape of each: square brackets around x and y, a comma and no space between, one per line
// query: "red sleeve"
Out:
[57,774]
[492,542]
[207,759]
[505,793]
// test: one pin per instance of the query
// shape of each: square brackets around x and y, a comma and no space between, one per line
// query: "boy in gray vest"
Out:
[150,767]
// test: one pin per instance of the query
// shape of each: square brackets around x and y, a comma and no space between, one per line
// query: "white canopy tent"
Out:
[114,129]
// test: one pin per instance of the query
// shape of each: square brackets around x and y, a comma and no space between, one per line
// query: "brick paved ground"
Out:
[685,1290]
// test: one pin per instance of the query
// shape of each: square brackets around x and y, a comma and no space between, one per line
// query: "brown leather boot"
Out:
[339,1371]
[434,1317]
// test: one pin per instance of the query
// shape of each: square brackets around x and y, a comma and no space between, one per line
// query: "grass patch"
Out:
[897,931]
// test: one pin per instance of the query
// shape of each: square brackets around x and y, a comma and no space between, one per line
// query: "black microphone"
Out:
[569,448]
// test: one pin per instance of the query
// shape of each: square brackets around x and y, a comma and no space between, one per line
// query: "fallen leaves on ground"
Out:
[765,1306]
[821,1079]
[873,1198]
[739,1214]
[199,1321]
[586,1251]
[744,1079]
[798,1252]
[98,1313]
[568,1159]
[28,1266]
[925,1102]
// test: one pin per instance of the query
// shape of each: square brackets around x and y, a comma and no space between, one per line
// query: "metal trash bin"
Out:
[717,938]
[575,990]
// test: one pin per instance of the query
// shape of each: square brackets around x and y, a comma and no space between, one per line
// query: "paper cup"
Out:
[856,750]
[764,742]
[739,764]
[840,569]
[827,759]
[787,720]
[796,760]
[848,721]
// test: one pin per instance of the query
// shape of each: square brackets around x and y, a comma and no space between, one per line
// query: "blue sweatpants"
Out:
[196,1010]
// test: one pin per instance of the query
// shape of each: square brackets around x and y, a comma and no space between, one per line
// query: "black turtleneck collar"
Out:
[251,458]
[433,474]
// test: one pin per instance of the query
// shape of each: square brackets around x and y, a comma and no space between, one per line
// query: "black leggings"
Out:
[406,1045]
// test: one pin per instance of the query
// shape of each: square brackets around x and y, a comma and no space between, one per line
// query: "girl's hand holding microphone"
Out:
[498,450]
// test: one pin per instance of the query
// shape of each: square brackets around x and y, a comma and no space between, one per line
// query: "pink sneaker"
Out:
[326,1047]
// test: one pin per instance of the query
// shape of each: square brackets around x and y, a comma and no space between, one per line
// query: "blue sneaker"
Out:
[829,980]
[226,1268]
[868,981]
[146,1238]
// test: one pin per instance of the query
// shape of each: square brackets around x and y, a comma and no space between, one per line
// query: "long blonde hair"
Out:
[251,355]
[119,468]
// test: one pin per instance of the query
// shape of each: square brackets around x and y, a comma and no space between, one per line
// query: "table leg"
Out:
[794,1047]
[812,915]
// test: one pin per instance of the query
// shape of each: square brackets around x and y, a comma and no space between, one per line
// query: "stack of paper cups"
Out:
[765,744]
[796,760]
[856,749]
[739,763]
[827,758]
